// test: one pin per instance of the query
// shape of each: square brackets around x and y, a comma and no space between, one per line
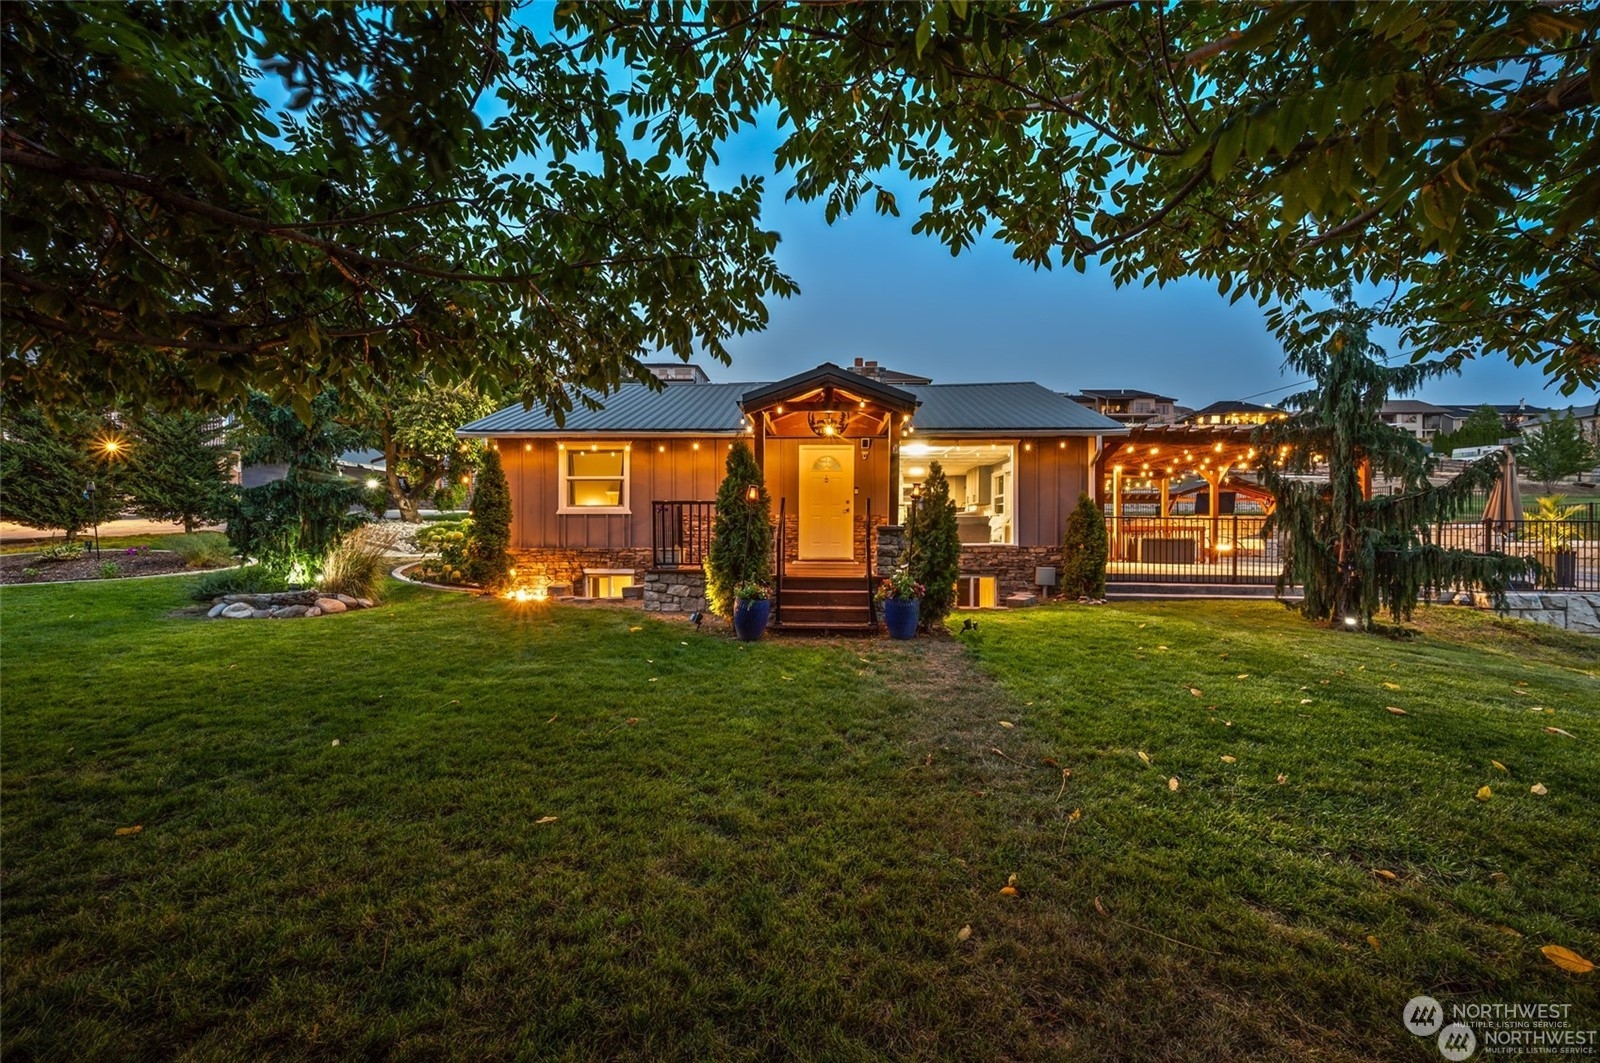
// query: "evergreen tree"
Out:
[178,469]
[1556,451]
[488,545]
[1084,551]
[741,539]
[934,547]
[291,523]
[46,466]
[1353,555]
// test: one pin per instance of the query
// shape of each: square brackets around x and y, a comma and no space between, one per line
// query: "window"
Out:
[594,478]
[981,485]
[606,583]
[976,592]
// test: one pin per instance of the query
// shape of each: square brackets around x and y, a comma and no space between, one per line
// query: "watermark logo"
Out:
[1457,1042]
[1423,1016]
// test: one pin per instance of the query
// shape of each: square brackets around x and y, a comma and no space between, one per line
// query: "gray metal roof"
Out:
[713,409]
[1020,407]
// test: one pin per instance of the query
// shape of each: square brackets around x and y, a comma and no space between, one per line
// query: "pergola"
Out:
[1163,453]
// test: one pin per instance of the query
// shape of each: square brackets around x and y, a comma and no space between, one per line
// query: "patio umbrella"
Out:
[1504,506]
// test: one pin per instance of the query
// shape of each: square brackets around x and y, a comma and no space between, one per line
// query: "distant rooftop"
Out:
[873,371]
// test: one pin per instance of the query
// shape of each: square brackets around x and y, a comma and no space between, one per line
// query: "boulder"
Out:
[313,611]
[237,611]
[349,602]
[216,610]
[330,605]
[288,612]
[260,614]
[365,603]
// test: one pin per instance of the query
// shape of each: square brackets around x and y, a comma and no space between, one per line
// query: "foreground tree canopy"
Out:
[443,189]
[1451,150]
[170,236]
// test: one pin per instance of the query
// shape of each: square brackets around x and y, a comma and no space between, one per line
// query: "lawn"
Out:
[447,828]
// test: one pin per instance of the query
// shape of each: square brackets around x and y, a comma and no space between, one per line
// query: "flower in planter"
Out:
[899,587]
[752,592]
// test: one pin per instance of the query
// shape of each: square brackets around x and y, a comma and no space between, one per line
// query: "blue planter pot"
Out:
[900,617]
[750,619]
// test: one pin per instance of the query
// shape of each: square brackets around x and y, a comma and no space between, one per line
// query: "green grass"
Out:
[768,851]
[107,542]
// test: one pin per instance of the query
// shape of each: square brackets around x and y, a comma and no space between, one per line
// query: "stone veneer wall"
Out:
[1012,566]
[1573,611]
[674,590]
[791,535]
[559,565]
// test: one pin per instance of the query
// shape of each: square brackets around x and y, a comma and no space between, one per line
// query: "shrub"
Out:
[1083,552]
[110,570]
[65,551]
[488,559]
[741,539]
[447,539]
[934,548]
[357,565]
[179,469]
[249,579]
[202,549]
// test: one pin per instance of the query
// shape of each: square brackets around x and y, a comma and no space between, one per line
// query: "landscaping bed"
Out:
[130,561]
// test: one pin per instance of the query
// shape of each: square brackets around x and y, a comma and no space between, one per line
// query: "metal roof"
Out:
[829,375]
[713,409]
[1018,407]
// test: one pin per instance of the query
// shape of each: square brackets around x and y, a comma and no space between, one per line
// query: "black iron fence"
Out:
[1230,548]
[1563,555]
[680,533]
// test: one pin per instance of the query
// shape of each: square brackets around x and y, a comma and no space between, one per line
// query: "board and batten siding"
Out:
[1049,478]
[782,473]
[658,470]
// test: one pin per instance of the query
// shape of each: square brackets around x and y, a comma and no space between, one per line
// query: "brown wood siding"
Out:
[658,470]
[1049,478]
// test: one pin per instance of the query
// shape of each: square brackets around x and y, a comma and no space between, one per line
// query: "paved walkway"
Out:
[16,533]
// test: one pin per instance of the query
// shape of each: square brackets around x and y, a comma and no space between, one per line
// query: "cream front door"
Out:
[827,503]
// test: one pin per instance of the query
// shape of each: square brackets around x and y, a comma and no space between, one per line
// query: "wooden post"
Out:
[1166,501]
[759,442]
[1116,511]
[894,469]
[1364,475]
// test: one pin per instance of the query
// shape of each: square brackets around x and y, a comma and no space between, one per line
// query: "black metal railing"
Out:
[872,606]
[780,546]
[1563,555]
[680,533]
[1230,548]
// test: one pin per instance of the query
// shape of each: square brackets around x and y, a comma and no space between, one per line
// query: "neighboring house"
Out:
[623,495]
[1128,406]
[1235,412]
[1588,418]
[874,371]
[1421,419]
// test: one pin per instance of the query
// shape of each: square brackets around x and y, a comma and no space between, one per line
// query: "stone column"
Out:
[891,548]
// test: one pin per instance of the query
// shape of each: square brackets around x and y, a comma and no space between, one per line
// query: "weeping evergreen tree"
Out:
[1355,555]
[741,539]
[933,553]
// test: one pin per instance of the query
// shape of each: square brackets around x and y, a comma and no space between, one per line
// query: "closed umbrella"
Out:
[1504,507]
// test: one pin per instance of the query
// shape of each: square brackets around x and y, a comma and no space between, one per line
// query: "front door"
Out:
[827,503]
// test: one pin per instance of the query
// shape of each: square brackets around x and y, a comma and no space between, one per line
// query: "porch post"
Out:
[1116,511]
[1166,487]
[758,443]
[894,469]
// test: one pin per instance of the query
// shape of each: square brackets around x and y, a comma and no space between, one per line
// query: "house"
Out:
[1234,412]
[622,496]
[1128,406]
[1423,420]
[1588,418]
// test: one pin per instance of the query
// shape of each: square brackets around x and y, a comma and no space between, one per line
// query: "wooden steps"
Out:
[826,603]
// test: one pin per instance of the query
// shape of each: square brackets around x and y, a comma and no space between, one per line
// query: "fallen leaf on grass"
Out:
[1052,762]
[683,644]
[787,678]
[1282,778]
[1394,711]
[123,832]
[1144,757]
[1373,941]
[1011,879]
[1172,783]
[635,628]
[928,761]
[1226,759]
[1508,930]
[1484,793]
[1008,891]
[1101,908]
[654,678]
[1391,686]
[632,720]
[1195,691]
[1385,873]
[1007,724]
[1501,766]
[1538,789]
[1077,814]
[1519,690]
[335,741]
[1566,959]
[964,933]
[1559,731]
[1305,701]
[542,820]
[1242,675]
[552,719]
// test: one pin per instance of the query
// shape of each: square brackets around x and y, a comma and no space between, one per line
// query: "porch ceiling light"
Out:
[828,422]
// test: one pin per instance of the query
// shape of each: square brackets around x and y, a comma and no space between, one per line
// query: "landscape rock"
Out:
[365,603]
[287,612]
[348,601]
[216,610]
[260,614]
[331,605]
[313,611]
[237,611]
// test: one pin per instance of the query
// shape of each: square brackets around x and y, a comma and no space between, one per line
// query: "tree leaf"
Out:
[1393,711]
[1501,766]
[1559,731]
[1008,891]
[1172,783]
[1384,873]
[1373,941]
[542,820]
[964,933]
[123,832]
[1101,908]
[1226,759]
[1566,959]
[1538,789]
[1484,793]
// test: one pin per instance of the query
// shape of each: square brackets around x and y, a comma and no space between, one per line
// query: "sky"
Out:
[870,288]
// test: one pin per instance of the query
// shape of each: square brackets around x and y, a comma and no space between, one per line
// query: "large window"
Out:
[594,478]
[982,485]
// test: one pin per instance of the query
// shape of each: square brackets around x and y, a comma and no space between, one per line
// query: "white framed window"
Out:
[594,477]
